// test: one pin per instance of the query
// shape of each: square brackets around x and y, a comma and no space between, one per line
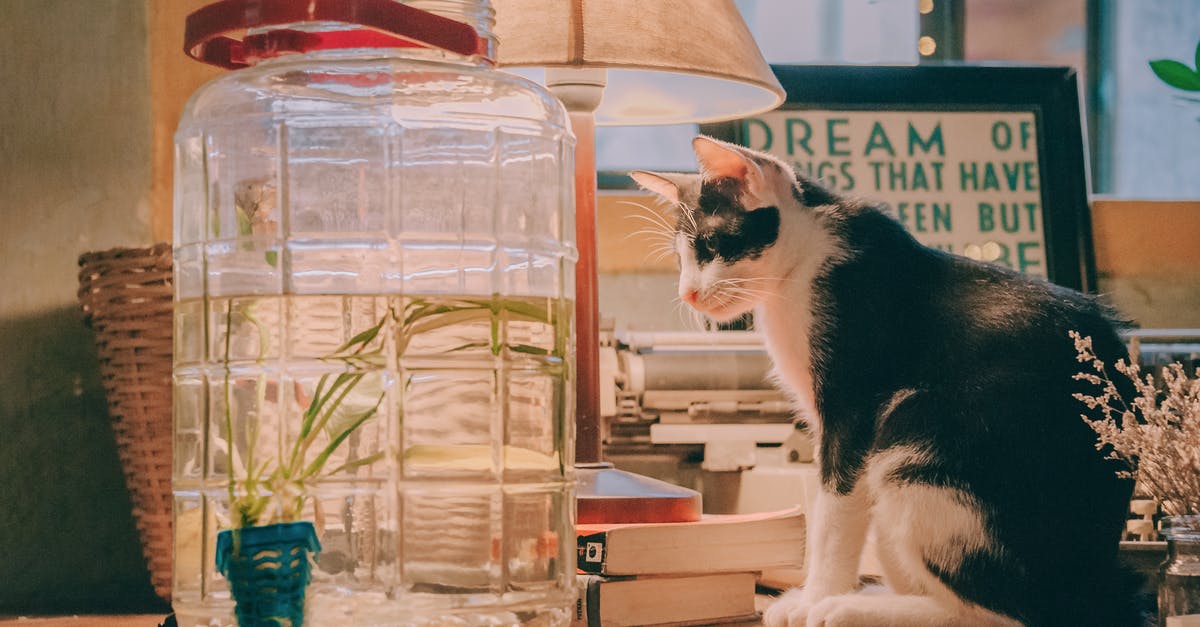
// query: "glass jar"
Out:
[1179,588]
[374,249]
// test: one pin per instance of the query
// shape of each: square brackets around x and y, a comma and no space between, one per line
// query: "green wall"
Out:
[74,177]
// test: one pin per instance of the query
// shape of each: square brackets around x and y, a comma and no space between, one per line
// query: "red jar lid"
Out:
[385,24]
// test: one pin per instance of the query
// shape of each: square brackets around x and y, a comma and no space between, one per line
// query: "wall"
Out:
[173,78]
[1147,259]
[75,175]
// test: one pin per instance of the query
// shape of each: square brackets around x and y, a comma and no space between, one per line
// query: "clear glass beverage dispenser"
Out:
[374,249]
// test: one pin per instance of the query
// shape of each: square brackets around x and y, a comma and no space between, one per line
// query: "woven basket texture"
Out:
[126,294]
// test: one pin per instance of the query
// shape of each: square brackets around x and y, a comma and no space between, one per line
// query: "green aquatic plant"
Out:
[342,403]
[329,413]
[424,316]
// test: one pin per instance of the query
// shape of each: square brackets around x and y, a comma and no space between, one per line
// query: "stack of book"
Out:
[695,573]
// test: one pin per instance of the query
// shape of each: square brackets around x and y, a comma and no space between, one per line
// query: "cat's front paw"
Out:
[789,610]
[797,609]
[840,611]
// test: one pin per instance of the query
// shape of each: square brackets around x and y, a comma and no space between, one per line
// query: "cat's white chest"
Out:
[786,317]
[788,334]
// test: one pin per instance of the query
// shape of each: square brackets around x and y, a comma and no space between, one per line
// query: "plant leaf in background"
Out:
[1177,74]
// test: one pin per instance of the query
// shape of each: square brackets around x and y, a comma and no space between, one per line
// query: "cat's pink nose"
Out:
[691,296]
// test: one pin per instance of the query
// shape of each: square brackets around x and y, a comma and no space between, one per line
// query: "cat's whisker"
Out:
[739,285]
[680,313]
[768,281]
[648,215]
[658,246]
[689,216]
[749,290]
[660,255]
[776,296]
[655,241]
[687,314]
[660,225]
[643,207]
[654,232]
[745,299]
[752,295]
[663,246]
[657,255]
[722,298]
[657,231]
[765,292]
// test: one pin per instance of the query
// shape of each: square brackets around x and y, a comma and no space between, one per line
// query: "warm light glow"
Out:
[926,45]
[668,61]
[926,7]
[643,97]
[992,251]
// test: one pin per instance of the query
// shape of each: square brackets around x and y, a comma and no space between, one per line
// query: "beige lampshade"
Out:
[668,61]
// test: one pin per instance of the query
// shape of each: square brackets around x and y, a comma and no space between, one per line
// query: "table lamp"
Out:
[625,63]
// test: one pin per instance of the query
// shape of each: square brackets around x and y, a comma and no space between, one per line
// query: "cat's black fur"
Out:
[988,354]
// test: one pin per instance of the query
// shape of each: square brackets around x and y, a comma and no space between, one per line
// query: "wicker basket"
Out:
[126,296]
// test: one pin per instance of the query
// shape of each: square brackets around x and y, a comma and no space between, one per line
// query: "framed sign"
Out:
[983,161]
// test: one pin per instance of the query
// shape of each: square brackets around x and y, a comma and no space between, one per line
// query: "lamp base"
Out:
[607,495]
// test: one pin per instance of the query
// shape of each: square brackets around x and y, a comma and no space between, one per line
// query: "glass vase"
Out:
[1179,589]
[374,288]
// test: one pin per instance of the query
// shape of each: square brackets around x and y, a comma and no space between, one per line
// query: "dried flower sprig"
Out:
[1157,432]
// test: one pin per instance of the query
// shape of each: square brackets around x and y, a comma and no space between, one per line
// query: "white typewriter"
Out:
[698,409]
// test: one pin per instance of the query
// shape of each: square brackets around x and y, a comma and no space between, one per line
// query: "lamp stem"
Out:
[587,305]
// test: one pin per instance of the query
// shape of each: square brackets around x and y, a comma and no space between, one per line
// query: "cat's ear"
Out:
[719,159]
[658,184]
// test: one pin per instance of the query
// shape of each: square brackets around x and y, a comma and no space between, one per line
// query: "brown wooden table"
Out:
[139,620]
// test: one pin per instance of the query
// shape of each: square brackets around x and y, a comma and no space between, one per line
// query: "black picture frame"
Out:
[1051,94]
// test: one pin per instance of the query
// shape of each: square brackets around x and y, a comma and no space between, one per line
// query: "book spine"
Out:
[591,551]
[587,601]
[579,617]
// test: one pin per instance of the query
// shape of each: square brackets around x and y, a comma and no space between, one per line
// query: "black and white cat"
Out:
[939,392]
